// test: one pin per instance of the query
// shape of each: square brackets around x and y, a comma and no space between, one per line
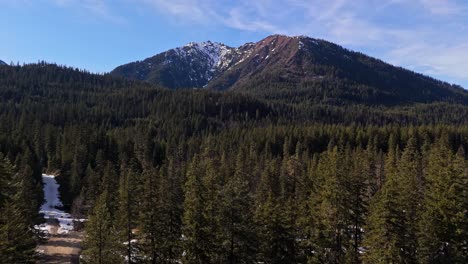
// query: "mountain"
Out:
[192,65]
[291,69]
[2,62]
[245,162]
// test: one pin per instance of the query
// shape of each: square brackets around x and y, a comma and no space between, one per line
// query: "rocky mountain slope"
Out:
[192,65]
[295,69]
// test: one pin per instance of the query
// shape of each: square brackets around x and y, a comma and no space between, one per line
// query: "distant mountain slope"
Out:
[192,65]
[292,69]
[33,92]
[2,62]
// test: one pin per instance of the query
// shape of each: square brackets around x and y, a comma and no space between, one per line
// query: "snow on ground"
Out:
[51,208]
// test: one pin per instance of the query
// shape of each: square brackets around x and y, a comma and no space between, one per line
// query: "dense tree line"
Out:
[295,195]
[20,193]
[203,177]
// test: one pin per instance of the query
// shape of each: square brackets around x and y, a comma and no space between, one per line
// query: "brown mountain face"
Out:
[218,66]
[278,57]
[292,69]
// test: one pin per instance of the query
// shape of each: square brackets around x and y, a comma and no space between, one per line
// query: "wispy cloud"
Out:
[434,60]
[236,19]
[430,36]
[419,34]
[200,11]
[98,9]
[441,7]
[15,3]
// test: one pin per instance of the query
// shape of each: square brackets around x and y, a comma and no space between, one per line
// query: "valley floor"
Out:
[61,248]
[63,244]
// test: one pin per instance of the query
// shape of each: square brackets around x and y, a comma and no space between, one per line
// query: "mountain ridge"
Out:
[299,68]
[198,61]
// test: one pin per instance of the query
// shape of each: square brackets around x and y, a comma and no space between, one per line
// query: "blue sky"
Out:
[427,36]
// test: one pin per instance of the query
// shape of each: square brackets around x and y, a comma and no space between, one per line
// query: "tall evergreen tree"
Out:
[238,238]
[357,182]
[126,212]
[384,227]
[194,220]
[101,243]
[17,240]
[148,221]
[331,205]
[212,212]
[170,212]
[17,237]
[410,177]
[277,241]
[441,234]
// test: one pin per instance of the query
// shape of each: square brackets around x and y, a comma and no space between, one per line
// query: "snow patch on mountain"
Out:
[198,63]
[301,45]
[211,56]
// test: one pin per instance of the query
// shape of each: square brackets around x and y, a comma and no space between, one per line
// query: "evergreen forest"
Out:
[199,176]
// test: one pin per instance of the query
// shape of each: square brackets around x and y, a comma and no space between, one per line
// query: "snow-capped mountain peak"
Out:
[204,60]
[214,52]
[198,63]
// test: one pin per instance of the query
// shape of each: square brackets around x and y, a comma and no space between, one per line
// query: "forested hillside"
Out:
[201,176]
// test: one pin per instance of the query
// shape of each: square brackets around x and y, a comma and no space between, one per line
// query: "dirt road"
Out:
[64,242]
[61,248]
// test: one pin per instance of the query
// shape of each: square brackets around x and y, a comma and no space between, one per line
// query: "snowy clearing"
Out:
[51,208]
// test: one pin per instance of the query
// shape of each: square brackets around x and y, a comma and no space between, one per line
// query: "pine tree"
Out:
[17,240]
[441,230]
[299,170]
[332,207]
[93,186]
[75,181]
[238,232]
[309,221]
[148,219]
[383,230]
[357,182]
[195,238]
[110,185]
[410,174]
[126,212]
[160,209]
[212,211]
[391,228]
[170,217]
[101,239]
[276,235]
[460,170]
[17,237]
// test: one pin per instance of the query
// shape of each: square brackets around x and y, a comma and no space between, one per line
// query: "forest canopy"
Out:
[229,177]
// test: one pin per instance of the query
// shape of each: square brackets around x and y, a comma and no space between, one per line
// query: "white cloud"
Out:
[98,9]
[236,19]
[199,11]
[429,36]
[448,60]
[441,7]
[424,43]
